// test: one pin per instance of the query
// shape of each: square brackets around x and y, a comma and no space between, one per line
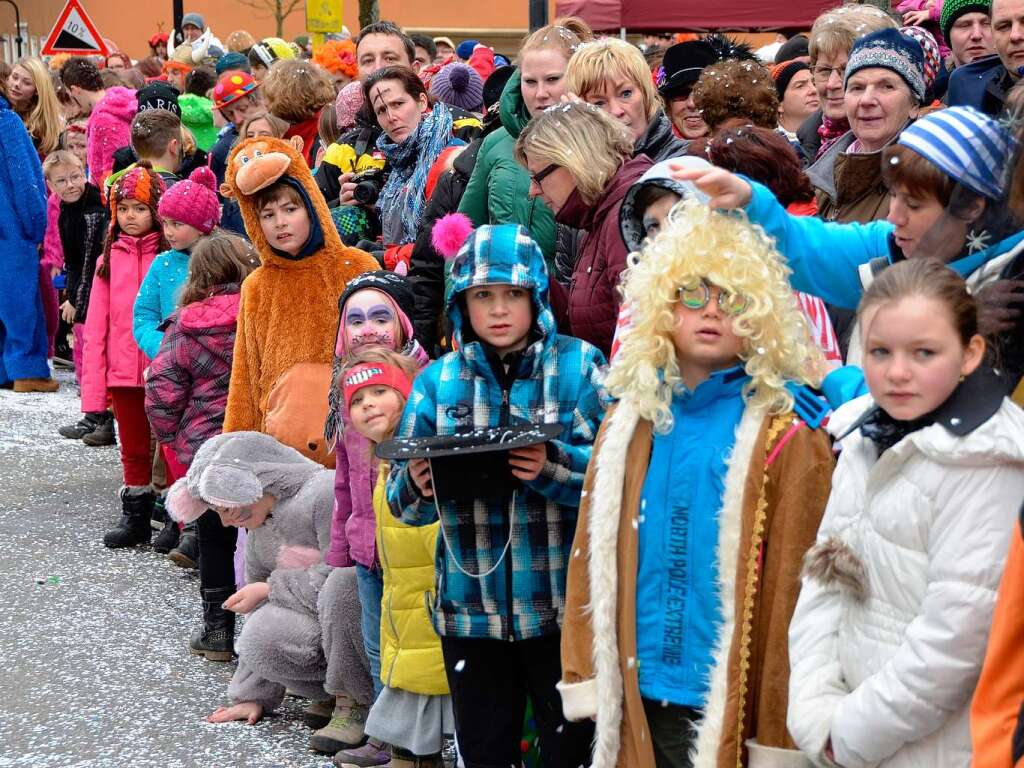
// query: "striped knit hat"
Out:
[888,49]
[968,146]
[954,9]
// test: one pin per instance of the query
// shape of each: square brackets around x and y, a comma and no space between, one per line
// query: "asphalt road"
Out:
[94,669]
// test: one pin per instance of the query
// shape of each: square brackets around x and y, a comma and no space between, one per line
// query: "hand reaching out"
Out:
[725,189]
[527,462]
[248,597]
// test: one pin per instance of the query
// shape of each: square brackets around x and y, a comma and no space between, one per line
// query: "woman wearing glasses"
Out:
[581,164]
[676,617]
[829,44]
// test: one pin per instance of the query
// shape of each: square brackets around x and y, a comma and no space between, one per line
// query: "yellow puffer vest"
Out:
[410,650]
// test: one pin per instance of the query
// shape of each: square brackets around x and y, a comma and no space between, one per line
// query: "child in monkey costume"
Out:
[288,315]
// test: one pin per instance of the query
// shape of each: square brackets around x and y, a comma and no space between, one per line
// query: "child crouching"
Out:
[284,501]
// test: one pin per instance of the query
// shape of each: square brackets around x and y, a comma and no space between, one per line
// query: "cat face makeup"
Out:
[370,321]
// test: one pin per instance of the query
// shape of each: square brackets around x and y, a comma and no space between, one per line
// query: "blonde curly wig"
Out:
[727,251]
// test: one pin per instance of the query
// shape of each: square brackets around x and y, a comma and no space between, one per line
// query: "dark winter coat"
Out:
[807,135]
[426,266]
[220,150]
[593,301]
[659,142]
[83,229]
[849,187]
[187,388]
[982,84]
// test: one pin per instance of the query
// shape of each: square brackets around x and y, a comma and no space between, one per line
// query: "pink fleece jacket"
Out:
[111,357]
[53,251]
[109,129]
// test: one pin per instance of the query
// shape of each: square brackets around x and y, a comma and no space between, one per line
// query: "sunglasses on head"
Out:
[696,295]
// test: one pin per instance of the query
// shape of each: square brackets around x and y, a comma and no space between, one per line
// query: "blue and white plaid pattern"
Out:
[967,145]
[557,383]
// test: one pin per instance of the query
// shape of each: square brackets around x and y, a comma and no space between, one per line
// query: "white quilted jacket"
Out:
[889,673]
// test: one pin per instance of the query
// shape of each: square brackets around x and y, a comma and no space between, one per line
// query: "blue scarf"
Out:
[402,197]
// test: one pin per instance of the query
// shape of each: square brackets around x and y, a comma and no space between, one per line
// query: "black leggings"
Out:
[489,682]
[216,552]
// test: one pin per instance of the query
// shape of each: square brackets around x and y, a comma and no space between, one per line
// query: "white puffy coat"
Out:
[889,673]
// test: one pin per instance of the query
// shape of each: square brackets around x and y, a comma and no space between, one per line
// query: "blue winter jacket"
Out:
[22,192]
[678,609]
[158,299]
[825,256]
[556,381]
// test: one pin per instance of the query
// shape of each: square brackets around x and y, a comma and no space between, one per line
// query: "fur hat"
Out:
[458,85]
[237,469]
[193,201]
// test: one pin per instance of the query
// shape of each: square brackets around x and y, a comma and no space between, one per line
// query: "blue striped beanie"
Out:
[968,146]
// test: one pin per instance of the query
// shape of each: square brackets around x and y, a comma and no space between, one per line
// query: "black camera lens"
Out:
[366,193]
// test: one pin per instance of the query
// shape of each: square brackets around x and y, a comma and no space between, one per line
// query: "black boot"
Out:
[104,432]
[136,509]
[168,537]
[186,554]
[216,640]
[83,427]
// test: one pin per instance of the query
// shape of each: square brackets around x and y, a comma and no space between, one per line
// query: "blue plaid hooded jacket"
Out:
[556,382]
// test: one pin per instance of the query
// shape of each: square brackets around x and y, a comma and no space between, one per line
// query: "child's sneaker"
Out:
[372,753]
[345,730]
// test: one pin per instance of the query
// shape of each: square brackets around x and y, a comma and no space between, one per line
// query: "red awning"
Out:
[688,15]
[601,15]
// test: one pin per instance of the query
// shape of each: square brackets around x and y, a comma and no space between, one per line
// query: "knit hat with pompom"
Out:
[458,85]
[193,201]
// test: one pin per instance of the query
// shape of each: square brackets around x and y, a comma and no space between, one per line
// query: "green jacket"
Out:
[498,190]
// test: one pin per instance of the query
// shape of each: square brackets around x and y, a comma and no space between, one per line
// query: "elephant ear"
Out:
[182,505]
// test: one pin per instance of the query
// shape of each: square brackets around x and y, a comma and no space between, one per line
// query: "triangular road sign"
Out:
[74,33]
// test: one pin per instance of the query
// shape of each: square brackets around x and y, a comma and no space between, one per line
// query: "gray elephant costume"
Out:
[306,637]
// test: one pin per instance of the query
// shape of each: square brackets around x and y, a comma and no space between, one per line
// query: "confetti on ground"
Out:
[97,672]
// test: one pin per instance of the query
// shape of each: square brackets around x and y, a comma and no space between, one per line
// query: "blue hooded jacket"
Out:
[555,380]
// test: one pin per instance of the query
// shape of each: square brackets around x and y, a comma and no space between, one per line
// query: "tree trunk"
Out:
[279,17]
[369,12]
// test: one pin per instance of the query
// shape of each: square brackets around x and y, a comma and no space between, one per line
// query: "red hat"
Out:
[231,87]
[373,374]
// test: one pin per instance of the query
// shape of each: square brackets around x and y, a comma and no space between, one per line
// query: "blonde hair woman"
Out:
[497,191]
[33,97]
[580,164]
[705,488]
[613,75]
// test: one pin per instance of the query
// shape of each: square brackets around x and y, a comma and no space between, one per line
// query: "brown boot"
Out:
[402,759]
[35,385]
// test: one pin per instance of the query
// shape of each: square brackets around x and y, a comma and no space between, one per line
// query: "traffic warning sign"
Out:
[74,33]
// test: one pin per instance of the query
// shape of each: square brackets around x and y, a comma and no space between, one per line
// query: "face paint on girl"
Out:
[370,321]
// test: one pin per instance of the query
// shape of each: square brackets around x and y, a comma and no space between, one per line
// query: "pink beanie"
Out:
[348,104]
[193,201]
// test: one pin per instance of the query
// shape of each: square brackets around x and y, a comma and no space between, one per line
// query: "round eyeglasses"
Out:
[697,295]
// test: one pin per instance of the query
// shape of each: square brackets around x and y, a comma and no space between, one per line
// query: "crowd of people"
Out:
[597,404]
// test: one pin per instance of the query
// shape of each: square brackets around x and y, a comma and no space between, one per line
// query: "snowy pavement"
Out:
[95,670]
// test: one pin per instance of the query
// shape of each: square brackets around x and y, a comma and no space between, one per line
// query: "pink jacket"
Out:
[111,357]
[109,129]
[53,251]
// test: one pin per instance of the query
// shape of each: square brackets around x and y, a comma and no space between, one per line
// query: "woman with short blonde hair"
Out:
[613,75]
[580,163]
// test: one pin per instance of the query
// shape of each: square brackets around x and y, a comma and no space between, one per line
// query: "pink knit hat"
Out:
[193,201]
[348,104]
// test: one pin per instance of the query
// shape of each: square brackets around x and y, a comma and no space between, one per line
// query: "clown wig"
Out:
[726,251]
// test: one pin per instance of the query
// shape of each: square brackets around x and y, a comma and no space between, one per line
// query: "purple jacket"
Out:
[353,525]
[187,388]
